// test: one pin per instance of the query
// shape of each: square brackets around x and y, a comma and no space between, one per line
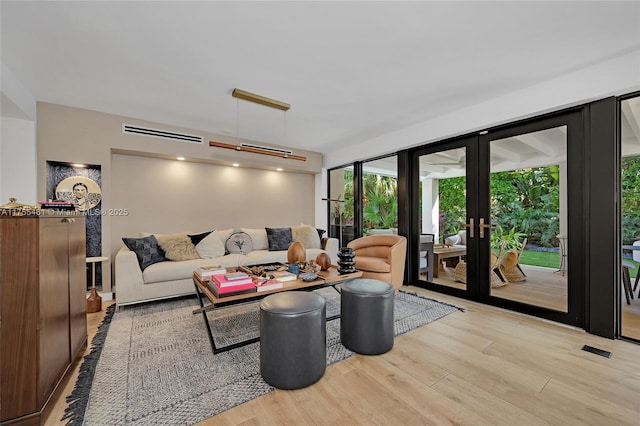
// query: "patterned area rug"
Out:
[157,367]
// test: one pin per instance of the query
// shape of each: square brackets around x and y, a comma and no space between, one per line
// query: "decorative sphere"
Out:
[324,261]
[296,253]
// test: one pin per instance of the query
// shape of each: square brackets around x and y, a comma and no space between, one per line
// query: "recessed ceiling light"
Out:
[279,169]
[236,165]
[180,158]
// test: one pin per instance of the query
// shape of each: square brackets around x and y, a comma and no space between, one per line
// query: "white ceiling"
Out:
[350,70]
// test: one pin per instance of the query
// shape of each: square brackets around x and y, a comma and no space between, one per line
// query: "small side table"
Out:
[94,301]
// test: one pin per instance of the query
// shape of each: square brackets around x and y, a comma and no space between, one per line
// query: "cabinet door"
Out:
[19,316]
[54,304]
[77,285]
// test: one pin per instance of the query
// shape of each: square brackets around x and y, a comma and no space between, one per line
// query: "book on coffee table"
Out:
[222,281]
[205,272]
[266,285]
[231,290]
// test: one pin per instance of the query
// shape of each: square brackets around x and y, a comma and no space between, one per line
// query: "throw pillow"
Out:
[279,238]
[146,249]
[196,238]
[177,247]
[210,247]
[258,238]
[239,242]
[452,240]
[307,235]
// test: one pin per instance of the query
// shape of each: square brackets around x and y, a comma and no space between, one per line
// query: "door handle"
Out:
[483,226]
[470,226]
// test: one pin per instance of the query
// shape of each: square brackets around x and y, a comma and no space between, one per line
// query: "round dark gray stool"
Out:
[366,316]
[293,336]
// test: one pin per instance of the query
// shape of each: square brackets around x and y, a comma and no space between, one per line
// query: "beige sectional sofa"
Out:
[140,278]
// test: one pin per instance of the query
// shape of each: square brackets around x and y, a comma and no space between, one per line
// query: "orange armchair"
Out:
[381,257]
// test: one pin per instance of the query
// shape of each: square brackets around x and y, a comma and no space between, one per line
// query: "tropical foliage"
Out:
[630,182]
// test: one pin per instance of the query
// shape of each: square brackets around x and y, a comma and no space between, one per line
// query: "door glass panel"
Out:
[630,183]
[529,240]
[341,204]
[443,214]
[380,203]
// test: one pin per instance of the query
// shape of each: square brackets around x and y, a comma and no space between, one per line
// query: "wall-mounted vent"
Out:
[137,130]
[267,148]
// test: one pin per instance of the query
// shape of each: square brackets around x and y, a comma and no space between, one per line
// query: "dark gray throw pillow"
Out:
[146,249]
[279,238]
[196,238]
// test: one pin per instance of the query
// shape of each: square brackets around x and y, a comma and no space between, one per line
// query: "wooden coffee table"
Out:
[444,252]
[330,277]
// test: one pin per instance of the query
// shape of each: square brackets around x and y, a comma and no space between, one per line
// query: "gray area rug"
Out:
[157,367]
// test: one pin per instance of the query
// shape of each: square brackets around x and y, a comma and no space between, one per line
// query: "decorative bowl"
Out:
[308,276]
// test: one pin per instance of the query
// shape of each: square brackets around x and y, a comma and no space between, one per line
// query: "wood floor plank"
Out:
[439,409]
[580,407]
[492,409]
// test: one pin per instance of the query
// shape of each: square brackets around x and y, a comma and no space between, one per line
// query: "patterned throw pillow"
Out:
[146,249]
[239,242]
[279,238]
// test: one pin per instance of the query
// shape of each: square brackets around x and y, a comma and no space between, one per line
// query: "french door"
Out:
[503,211]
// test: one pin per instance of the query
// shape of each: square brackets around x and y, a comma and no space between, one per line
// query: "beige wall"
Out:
[164,196]
[161,194]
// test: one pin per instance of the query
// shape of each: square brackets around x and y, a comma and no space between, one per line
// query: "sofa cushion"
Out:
[279,238]
[239,242]
[307,235]
[177,247]
[211,246]
[146,249]
[258,237]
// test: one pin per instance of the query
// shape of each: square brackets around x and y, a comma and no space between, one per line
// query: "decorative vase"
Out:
[324,261]
[296,253]
[346,262]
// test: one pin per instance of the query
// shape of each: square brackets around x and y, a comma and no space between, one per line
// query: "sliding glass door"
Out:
[503,210]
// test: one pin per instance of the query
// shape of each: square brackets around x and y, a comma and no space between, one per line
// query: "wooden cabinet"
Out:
[43,325]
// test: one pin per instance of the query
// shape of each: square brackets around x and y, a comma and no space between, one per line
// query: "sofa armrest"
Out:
[128,275]
[331,246]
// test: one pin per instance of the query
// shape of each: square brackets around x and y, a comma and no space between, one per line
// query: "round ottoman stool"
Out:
[293,339]
[366,316]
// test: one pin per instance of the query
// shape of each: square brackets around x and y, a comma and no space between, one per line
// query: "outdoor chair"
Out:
[510,265]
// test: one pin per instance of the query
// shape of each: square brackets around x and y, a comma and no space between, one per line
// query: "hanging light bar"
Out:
[262,100]
[257,150]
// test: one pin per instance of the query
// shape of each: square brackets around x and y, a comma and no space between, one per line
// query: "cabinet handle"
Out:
[68,220]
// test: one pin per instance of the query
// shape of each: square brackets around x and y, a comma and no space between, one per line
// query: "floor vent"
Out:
[137,130]
[597,351]
[267,148]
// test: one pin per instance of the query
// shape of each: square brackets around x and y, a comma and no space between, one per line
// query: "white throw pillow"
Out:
[258,237]
[210,247]
[452,240]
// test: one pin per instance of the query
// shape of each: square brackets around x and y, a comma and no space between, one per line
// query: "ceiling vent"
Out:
[267,148]
[137,130]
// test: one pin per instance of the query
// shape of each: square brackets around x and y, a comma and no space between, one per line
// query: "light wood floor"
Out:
[483,366]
